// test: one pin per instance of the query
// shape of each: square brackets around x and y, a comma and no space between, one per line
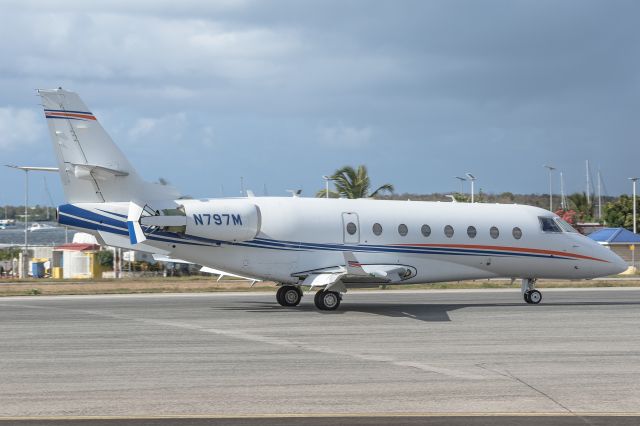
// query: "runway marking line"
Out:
[321,415]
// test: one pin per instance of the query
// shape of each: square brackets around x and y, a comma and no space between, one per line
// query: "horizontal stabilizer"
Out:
[93,171]
[133,223]
[122,241]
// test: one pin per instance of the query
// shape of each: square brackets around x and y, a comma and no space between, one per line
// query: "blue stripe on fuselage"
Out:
[122,229]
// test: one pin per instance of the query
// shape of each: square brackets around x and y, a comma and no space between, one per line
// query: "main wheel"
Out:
[327,300]
[316,299]
[526,296]
[535,297]
[289,295]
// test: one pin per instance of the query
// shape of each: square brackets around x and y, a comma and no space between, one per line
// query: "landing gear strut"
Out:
[289,295]
[327,300]
[529,293]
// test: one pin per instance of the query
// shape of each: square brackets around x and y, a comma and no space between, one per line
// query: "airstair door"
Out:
[350,228]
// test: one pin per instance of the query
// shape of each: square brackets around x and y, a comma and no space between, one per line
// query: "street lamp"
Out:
[634,180]
[551,169]
[462,181]
[26,170]
[472,178]
[326,185]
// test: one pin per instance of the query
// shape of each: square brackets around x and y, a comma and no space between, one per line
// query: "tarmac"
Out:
[240,358]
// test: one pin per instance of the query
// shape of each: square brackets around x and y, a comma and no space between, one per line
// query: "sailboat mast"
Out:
[588,189]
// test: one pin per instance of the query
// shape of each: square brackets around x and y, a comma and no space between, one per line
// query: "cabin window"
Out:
[448,231]
[547,224]
[402,229]
[471,231]
[426,230]
[351,228]
[377,228]
[494,232]
[517,233]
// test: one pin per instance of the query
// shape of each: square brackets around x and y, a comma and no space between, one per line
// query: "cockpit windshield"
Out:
[547,224]
[565,225]
[551,224]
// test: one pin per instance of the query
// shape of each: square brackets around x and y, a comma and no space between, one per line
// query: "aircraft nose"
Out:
[615,264]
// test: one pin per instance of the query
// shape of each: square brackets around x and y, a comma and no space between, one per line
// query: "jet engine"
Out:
[223,220]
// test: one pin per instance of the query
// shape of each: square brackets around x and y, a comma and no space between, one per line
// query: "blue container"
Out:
[37,269]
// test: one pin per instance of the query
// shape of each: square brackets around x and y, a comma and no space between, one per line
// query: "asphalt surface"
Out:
[382,353]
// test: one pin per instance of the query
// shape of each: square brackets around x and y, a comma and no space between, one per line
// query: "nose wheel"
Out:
[529,293]
[289,295]
[533,297]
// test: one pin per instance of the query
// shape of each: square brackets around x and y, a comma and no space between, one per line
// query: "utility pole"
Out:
[472,178]
[551,169]
[326,185]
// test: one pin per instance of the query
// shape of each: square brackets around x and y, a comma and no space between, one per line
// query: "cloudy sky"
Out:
[282,92]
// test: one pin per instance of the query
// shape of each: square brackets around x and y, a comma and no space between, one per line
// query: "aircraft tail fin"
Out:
[92,168]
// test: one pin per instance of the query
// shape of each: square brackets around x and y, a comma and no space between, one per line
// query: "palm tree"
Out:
[581,205]
[351,183]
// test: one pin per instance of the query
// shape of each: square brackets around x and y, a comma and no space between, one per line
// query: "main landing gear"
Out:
[327,300]
[289,295]
[529,293]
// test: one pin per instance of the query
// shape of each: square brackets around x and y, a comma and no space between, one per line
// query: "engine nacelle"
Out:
[224,220]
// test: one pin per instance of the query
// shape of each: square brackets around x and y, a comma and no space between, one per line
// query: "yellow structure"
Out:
[57,273]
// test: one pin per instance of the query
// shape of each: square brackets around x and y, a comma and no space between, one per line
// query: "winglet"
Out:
[351,263]
[133,223]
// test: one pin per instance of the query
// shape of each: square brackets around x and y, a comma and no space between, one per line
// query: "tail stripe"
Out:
[73,115]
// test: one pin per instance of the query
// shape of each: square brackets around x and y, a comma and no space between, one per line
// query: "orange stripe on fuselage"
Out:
[507,248]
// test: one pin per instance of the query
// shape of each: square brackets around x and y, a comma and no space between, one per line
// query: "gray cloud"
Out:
[281,92]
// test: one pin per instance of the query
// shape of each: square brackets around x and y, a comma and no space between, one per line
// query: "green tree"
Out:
[581,205]
[353,183]
[105,258]
[620,213]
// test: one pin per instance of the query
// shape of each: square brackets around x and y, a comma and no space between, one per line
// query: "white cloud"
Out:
[345,136]
[142,127]
[208,139]
[19,127]
[154,131]
[147,48]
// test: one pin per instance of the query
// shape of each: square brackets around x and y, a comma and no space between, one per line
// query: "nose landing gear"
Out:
[529,293]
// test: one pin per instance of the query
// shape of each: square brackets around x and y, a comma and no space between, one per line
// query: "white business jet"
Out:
[328,245]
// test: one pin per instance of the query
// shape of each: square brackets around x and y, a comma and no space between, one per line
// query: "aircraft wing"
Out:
[205,269]
[354,272]
[221,274]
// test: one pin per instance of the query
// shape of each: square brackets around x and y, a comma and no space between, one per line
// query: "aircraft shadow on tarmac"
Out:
[416,311]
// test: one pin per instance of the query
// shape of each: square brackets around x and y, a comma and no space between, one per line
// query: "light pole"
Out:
[551,169]
[634,180]
[462,181]
[26,170]
[472,178]
[326,185]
